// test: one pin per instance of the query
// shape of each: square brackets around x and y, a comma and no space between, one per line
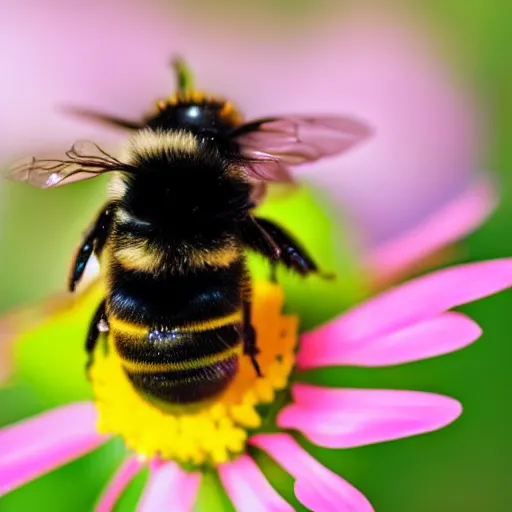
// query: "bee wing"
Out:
[275,190]
[84,160]
[271,145]
[100,117]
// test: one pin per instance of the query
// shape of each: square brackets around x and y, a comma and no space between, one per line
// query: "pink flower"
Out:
[408,323]
[410,191]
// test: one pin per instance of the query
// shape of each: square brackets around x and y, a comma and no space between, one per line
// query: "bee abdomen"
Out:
[183,364]
[187,386]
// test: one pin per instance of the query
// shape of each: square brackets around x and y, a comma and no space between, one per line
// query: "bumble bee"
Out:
[173,234]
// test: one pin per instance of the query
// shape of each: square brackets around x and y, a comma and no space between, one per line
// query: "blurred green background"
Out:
[466,467]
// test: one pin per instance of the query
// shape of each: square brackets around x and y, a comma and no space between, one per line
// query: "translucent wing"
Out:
[84,160]
[100,117]
[265,167]
[271,145]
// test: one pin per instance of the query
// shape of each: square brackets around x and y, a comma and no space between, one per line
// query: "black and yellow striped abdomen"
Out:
[178,334]
[180,364]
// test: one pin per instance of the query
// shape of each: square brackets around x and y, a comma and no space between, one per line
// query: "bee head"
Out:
[192,109]
[196,112]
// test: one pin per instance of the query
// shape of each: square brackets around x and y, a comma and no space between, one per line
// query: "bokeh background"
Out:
[113,55]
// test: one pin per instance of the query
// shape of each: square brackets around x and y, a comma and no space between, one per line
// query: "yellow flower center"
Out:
[218,431]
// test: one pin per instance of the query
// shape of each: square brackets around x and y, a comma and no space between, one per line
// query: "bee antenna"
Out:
[184,76]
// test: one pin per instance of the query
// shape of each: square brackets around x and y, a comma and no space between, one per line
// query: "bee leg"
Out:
[292,255]
[94,241]
[99,325]
[249,334]
[277,245]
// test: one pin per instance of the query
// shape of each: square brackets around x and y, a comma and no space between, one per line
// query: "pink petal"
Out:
[344,418]
[248,489]
[454,220]
[316,487]
[439,335]
[124,475]
[410,303]
[33,447]
[170,488]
